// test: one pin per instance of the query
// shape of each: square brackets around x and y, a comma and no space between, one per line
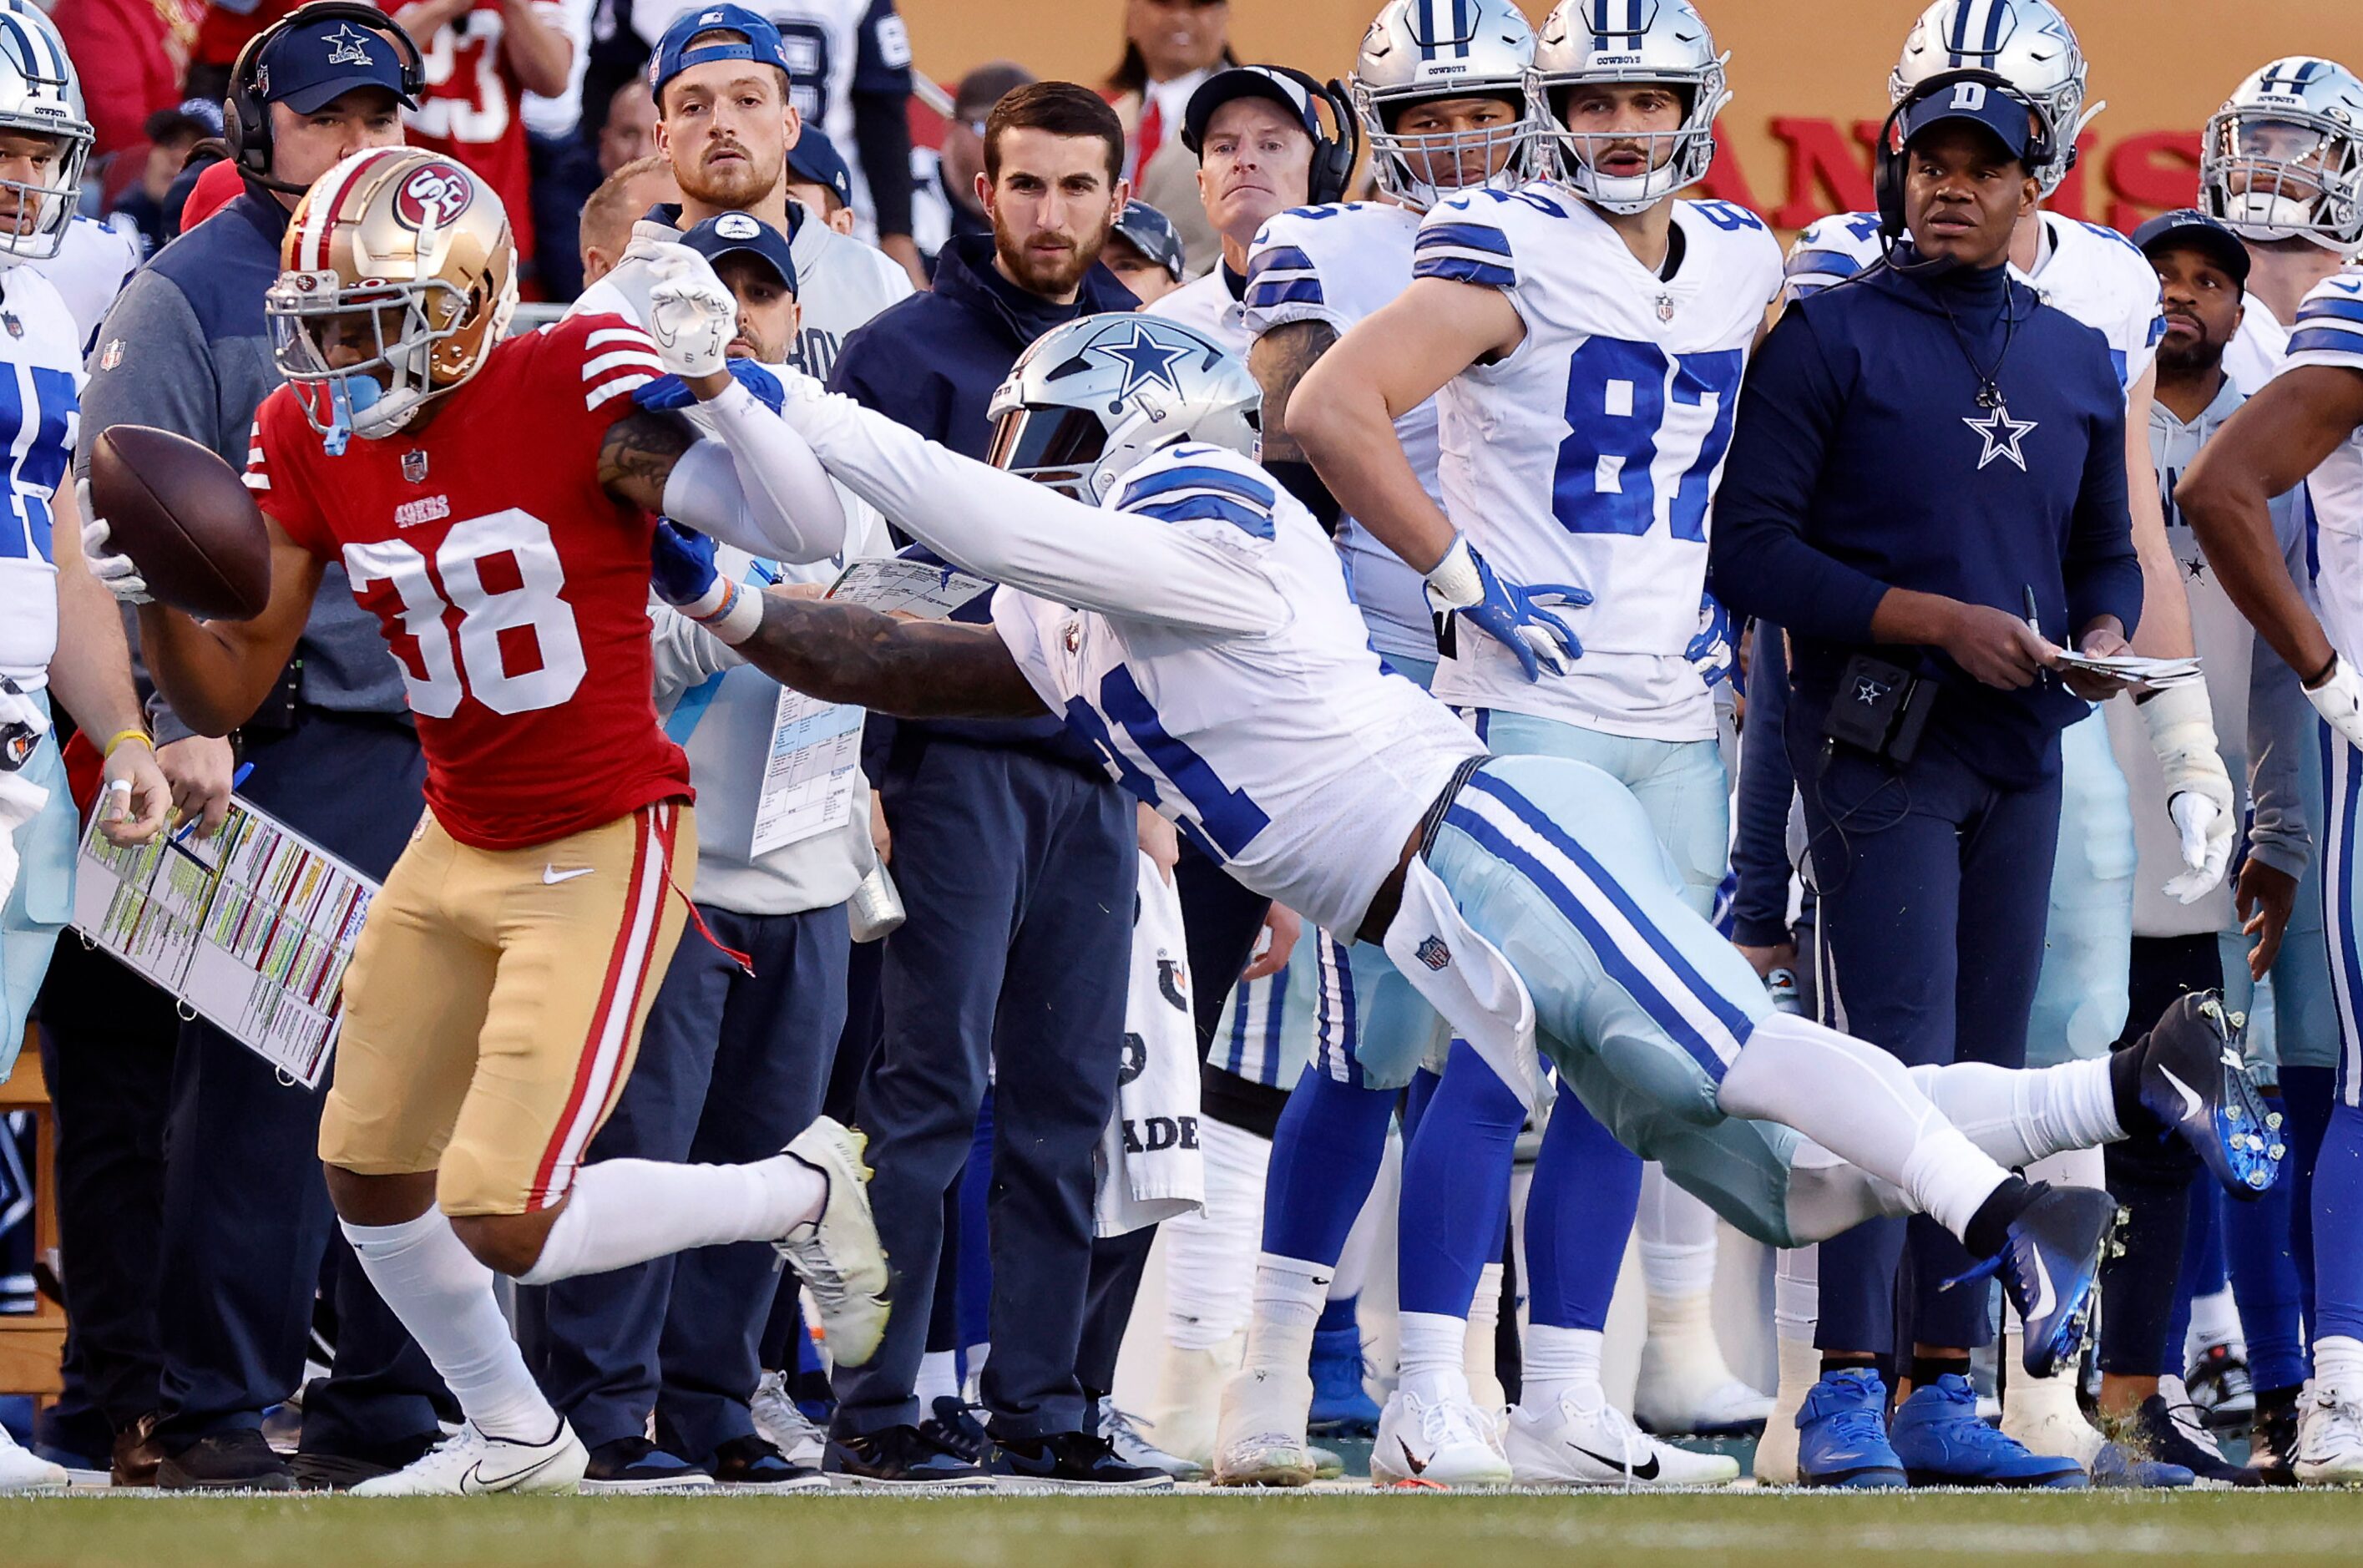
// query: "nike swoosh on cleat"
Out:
[1418,1466]
[552,876]
[2192,1106]
[1637,1472]
[2044,1300]
[474,1480]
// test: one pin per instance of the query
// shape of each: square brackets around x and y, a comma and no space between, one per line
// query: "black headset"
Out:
[1888,173]
[245,110]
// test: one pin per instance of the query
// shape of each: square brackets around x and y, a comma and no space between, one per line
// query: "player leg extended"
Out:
[494,1010]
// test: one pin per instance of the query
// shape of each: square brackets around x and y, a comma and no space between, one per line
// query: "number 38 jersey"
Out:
[1588,455]
[512,588]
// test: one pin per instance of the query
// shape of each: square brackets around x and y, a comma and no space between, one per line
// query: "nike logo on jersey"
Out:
[2192,1106]
[2044,1298]
[1637,1472]
[552,876]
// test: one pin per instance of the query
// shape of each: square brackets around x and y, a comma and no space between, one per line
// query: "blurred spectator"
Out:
[630,131]
[172,134]
[849,72]
[1144,252]
[618,203]
[561,161]
[208,182]
[1170,47]
[819,182]
[130,55]
[945,201]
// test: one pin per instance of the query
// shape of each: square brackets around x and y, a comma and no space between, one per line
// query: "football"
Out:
[184,518]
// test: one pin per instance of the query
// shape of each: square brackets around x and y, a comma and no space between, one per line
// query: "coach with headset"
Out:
[1927,487]
[246,1218]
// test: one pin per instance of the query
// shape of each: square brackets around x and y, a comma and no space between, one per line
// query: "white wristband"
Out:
[728,610]
[1453,583]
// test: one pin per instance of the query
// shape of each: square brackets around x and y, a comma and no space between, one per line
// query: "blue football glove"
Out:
[672,391]
[1710,651]
[680,564]
[1465,584]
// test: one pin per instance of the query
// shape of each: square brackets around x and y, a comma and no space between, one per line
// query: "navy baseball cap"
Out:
[741,233]
[1246,81]
[312,64]
[1977,98]
[674,56]
[815,161]
[2194,229]
[1150,232]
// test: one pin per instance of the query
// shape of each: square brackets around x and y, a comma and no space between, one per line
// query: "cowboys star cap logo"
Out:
[737,225]
[348,46]
[434,195]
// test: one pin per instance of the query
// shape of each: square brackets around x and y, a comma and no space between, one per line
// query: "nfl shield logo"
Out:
[414,467]
[1665,307]
[1432,952]
[16,327]
[114,355]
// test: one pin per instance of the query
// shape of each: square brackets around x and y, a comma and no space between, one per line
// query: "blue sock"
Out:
[2265,1284]
[2306,1093]
[1456,1183]
[1338,1313]
[2338,1226]
[1324,1157]
[1578,1213]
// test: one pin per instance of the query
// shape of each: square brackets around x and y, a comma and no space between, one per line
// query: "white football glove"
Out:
[112,568]
[692,316]
[650,240]
[2198,791]
[2339,700]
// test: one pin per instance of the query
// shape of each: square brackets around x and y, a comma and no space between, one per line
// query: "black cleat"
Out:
[1069,1462]
[2050,1267]
[2195,1080]
[898,1457]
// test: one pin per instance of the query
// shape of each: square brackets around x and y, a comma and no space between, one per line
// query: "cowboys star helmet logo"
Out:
[348,46]
[1146,362]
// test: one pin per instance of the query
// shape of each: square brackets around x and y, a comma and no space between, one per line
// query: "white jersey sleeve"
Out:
[1830,250]
[91,265]
[2101,278]
[2328,331]
[40,409]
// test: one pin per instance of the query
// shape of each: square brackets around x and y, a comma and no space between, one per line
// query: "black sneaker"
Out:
[2219,1385]
[897,1456]
[2163,1437]
[2272,1439]
[750,1464]
[955,1429]
[1069,1462]
[635,1464]
[335,1472]
[225,1461]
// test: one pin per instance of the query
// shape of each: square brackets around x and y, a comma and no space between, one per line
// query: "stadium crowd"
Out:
[1900,726]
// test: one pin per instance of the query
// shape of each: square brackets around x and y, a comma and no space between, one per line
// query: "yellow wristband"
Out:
[120,735]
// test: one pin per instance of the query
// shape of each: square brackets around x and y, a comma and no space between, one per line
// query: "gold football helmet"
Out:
[398,276]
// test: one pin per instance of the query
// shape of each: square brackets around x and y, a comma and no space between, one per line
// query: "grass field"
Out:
[1303,1531]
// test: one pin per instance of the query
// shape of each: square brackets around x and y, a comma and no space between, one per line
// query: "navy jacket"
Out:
[1862,461]
[933,361]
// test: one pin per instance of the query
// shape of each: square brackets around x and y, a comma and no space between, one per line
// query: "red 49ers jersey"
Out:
[473,107]
[512,589]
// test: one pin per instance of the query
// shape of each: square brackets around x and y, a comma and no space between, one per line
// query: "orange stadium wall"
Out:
[1809,81]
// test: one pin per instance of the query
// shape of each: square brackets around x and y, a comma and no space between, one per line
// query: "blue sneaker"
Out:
[2115,1466]
[1842,1433]
[1938,1436]
[2195,1080]
[2050,1268]
[1341,1406]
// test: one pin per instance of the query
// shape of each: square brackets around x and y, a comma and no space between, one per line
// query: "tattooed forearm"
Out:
[910,668]
[1278,359]
[637,456]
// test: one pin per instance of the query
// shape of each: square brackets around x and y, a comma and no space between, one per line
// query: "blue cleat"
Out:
[1842,1434]
[2115,1466]
[2195,1080]
[1938,1436]
[2050,1268]
[1341,1406]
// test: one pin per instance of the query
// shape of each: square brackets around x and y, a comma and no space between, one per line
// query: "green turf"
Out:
[1728,1531]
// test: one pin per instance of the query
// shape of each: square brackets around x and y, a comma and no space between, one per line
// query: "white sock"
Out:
[1210,1253]
[2338,1364]
[1797,1295]
[1677,1240]
[1289,1296]
[939,1379]
[2020,1116]
[1558,1361]
[2214,1320]
[1481,1343]
[1428,1367]
[626,1211]
[444,1296]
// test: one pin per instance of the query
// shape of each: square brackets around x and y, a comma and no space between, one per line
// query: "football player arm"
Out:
[2165,629]
[756,488]
[1280,360]
[90,676]
[215,673]
[912,669]
[537,47]
[1343,409]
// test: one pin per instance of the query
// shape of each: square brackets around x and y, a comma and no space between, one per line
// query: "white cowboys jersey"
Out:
[2329,332]
[2254,355]
[40,404]
[1337,264]
[2091,272]
[90,269]
[1589,454]
[1206,305]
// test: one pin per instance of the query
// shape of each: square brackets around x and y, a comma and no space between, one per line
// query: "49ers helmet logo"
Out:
[435,194]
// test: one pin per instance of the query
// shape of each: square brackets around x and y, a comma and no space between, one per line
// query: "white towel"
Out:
[1466,978]
[1149,1167]
[21,800]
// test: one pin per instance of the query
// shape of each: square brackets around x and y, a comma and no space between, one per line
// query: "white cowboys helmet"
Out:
[2027,43]
[39,96]
[1627,41]
[1089,400]
[2283,157]
[1420,50]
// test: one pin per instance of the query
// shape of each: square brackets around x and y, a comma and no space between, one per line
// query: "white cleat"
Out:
[1583,1440]
[838,1255]
[1776,1451]
[779,1422]
[1685,1388]
[1445,1443]
[23,1471]
[1259,1434]
[1182,1418]
[2043,1414]
[2329,1435]
[472,1461]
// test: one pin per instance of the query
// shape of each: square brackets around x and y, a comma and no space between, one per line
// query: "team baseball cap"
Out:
[741,233]
[1246,81]
[815,161]
[191,117]
[2192,230]
[1976,99]
[674,56]
[312,64]
[1150,232]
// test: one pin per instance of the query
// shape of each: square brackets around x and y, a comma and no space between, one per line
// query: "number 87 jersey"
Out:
[1588,454]
[512,588]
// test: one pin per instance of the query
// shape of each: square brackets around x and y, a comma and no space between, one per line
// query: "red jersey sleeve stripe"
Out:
[642,359]
[615,386]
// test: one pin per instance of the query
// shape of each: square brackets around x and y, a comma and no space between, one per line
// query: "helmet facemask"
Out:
[2283,175]
[1422,169]
[1056,446]
[399,328]
[1677,159]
